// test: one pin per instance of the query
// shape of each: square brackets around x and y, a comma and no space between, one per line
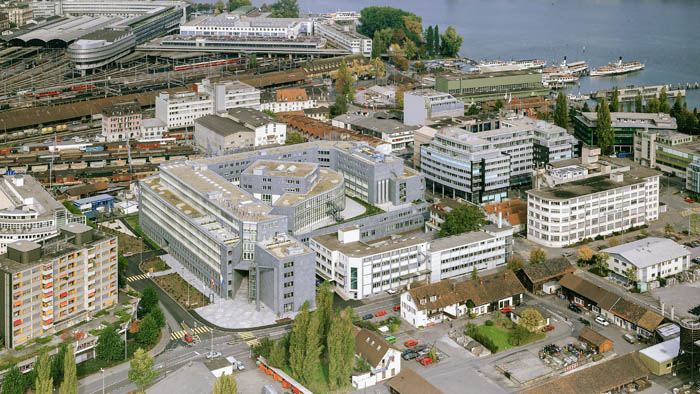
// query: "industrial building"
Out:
[625,125]
[422,106]
[28,212]
[53,286]
[662,358]
[477,88]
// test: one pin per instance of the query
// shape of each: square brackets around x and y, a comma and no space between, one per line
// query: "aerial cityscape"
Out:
[312,196]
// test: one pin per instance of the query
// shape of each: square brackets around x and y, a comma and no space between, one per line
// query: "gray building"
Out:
[378,125]
[220,135]
[421,106]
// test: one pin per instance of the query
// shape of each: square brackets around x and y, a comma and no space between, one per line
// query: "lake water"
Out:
[663,34]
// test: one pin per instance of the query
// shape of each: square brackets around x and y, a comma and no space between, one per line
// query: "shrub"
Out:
[489,322]
[598,237]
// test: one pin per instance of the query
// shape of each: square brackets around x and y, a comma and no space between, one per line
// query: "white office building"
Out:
[591,206]
[232,94]
[358,270]
[649,259]
[421,106]
[345,36]
[242,26]
[179,110]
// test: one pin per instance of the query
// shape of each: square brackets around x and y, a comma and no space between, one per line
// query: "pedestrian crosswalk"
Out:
[249,338]
[136,277]
[179,334]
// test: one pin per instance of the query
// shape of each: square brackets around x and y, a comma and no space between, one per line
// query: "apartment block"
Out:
[592,205]
[28,212]
[231,94]
[287,100]
[122,122]
[152,128]
[20,14]
[53,286]
[422,106]
[268,130]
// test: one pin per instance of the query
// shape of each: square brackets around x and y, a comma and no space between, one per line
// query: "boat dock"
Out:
[629,93]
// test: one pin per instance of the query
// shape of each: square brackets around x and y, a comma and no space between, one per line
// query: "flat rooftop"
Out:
[591,185]
[327,180]
[252,117]
[364,249]
[459,240]
[664,351]
[30,197]
[283,246]
[635,119]
[281,168]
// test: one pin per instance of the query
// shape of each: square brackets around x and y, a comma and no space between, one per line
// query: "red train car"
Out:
[206,64]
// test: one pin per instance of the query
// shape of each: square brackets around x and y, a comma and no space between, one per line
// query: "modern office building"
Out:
[421,137]
[235,25]
[591,206]
[231,94]
[648,259]
[28,212]
[552,143]
[399,135]
[344,35]
[625,125]
[213,214]
[422,106]
[481,87]
[668,151]
[53,286]
[358,270]
[122,122]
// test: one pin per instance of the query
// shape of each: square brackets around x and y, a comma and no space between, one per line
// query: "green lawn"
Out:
[498,335]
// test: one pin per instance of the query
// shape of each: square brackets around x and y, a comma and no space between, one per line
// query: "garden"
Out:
[503,333]
[177,288]
[154,265]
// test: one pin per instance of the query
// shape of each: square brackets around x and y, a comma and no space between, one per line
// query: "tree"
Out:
[604,131]
[149,299]
[475,274]
[158,316]
[279,354]
[374,19]
[436,42]
[70,379]
[668,229]
[362,365]
[613,241]
[148,331]
[285,9]
[253,61]
[378,68]
[44,382]
[57,364]
[451,42]
[473,110]
[109,345]
[340,106]
[225,384]
[677,108]
[518,335]
[601,263]
[343,81]
[653,105]
[585,254]
[499,105]
[341,349]
[429,41]
[629,106]
[297,341]
[234,4]
[664,106]
[515,263]
[561,116]
[585,108]
[638,107]
[324,309]
[293,138]
[631,274]
[399,96]
[537,256]
[531,319]
[615,100]
[314,347]
[462,219]
[141,371]
[13,382]
[219,5]
[419,67]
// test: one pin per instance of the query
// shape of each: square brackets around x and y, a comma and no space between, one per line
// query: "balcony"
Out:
[17,294]
[91,282]
[91,308]
[47,281]
[47,308]
[17,322]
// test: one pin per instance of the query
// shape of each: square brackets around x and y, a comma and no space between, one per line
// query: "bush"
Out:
[598,237]
[489,322]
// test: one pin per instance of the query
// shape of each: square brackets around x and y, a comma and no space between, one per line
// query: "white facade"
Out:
[569,213]
[181,109]
[652,258]
[153,128]
[242,26]
[359,270]
[345,36]
[287,106]
[421,106]
[232,94]
[384,359]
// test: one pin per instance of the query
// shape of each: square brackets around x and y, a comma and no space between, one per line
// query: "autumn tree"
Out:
[537,256]
[585,254]
[613,241]
[531,319]
[515,263]
[399,96]
[225,384]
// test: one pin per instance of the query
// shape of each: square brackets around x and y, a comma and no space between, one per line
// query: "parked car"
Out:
[211,355]
[409,355]
[380,312]
[601,320]
[419,348]
[506,309]
[390,338]
[696,260]
[392,291]
[397,308]
[629,338]
[367,316]
[575,308]
[426,360]
[689,200]
[584,321]
[547,328]
[695,244]
[410,342]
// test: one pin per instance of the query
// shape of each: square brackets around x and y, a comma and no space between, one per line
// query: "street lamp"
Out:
[103,380]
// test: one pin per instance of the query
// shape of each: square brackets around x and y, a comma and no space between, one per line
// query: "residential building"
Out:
[512,213]
[625,125]
[234,25]
[153,128]
[617,310]
[409,382]
[439,211]
[383,358]
[318,113]
[421,106]
[230,94]
[462,254]
[399,135]
[358,269]
[544,277]
[647,260]
[481,87]
[517,313]
[552,143]
[661,358]
[179,110]
[344,35]
[626,372]
[51,287]
[426,305]
[20,14]
[236,205]
[28,212]
[122,122]
[594,340]
[218,135]
[4,22]
[589,207]
[268,130]
[287,100]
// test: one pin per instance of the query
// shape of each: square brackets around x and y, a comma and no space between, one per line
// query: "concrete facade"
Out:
[421,106]
[625,125]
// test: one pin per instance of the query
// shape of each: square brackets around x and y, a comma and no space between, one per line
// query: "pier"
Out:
[629,93]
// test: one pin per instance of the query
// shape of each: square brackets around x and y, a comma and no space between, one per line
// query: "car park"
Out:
[409,355]
[380,312]
[390,338]
[426,360]
[584,321]
[367,316]
[575,308]
[601,320]
[419,348]
[410,342]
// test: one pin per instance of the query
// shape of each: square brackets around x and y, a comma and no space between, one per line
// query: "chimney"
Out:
[673,311]
[500,219]
[662,309]
[616,177]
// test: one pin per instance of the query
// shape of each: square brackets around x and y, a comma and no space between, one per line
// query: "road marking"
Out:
[136,277]
[246,335]
[201,329]
[253,342]
[177,335]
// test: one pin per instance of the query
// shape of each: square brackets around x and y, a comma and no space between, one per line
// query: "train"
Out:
[56,92]
[206,64]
